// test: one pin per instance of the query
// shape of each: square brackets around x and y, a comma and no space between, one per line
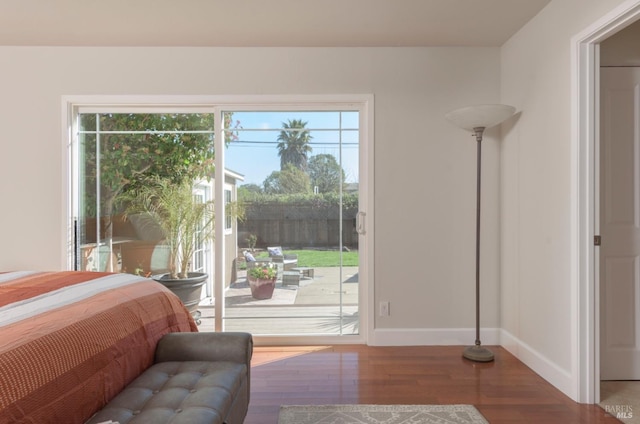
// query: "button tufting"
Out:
[135,412]
[155,392]
[192,391]
[178,410]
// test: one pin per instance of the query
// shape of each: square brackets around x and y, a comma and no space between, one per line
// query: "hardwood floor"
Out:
[504,391]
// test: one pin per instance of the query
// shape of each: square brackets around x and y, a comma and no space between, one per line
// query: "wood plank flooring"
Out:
[504,391]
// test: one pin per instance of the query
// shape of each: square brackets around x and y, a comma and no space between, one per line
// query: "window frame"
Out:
[228,222]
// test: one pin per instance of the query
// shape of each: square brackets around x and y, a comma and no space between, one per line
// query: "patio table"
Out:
[304,271]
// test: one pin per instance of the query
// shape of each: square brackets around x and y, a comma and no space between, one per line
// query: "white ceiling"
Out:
[258,23]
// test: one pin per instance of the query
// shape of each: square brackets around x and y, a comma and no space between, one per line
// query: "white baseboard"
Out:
[545,368]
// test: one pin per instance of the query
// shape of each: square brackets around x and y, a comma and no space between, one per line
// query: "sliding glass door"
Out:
[299,191]
[286,183]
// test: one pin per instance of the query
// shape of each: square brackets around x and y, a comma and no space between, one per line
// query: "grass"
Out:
[321,258]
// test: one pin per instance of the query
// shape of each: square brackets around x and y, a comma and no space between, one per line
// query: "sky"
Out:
[255,153]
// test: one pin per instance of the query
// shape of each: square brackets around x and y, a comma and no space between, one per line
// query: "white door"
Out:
[620,224]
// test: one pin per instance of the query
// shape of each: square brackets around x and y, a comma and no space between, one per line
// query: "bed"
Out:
[71,341]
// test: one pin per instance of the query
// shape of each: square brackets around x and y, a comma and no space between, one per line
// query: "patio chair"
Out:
[288,261]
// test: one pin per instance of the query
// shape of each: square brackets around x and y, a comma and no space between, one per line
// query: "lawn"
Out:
[321,258]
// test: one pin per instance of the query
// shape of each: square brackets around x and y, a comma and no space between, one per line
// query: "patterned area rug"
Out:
[380,414]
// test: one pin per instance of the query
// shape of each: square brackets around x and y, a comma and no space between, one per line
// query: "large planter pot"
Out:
[188,289]
[262,289]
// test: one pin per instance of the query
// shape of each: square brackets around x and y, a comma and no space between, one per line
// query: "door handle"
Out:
[360,223]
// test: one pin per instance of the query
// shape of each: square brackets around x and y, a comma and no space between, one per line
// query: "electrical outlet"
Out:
[384,308]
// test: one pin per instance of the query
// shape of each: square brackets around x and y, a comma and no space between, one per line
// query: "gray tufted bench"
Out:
[196,378]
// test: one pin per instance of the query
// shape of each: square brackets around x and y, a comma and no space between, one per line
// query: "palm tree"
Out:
[293,146]
[184,221]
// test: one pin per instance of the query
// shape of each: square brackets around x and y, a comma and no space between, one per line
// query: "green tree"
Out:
[325,173]
[121,150]
[249,188]
[293,144]
[288,181]
[173,208]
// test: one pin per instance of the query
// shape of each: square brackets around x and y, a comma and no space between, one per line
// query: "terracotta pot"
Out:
[262,289]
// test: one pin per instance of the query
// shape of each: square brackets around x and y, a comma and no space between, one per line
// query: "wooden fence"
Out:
[298,226]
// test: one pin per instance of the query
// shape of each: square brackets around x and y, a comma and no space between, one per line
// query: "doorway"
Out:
[586,220]
[619,194]
[300,199]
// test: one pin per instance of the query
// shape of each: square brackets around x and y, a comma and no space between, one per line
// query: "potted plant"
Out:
[262,280]
[185,222]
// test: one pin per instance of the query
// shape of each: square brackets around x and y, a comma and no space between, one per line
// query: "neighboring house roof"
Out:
[228,173]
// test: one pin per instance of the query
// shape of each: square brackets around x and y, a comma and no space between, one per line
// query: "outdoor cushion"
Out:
[274,251]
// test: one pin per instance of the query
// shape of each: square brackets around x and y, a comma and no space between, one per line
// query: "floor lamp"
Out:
[476,119]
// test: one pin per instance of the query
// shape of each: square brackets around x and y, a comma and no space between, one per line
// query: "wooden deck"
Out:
[310,308]
[286,320]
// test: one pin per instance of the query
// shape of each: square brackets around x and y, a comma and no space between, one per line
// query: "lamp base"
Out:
[478,353]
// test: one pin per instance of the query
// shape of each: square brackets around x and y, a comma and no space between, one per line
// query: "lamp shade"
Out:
[480,116]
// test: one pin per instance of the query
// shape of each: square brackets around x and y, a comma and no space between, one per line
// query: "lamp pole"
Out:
[477,352]
[478,133]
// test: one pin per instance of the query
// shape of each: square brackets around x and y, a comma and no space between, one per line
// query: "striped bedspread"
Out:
[70,341]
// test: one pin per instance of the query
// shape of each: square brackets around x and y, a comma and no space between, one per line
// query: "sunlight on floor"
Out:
[271,354]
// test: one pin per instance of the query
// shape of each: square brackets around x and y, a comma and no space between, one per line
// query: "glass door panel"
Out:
[119,152]
[300,200]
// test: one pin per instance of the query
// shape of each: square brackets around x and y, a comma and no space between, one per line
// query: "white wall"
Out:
[535,190]
[425,168]
[622,49]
